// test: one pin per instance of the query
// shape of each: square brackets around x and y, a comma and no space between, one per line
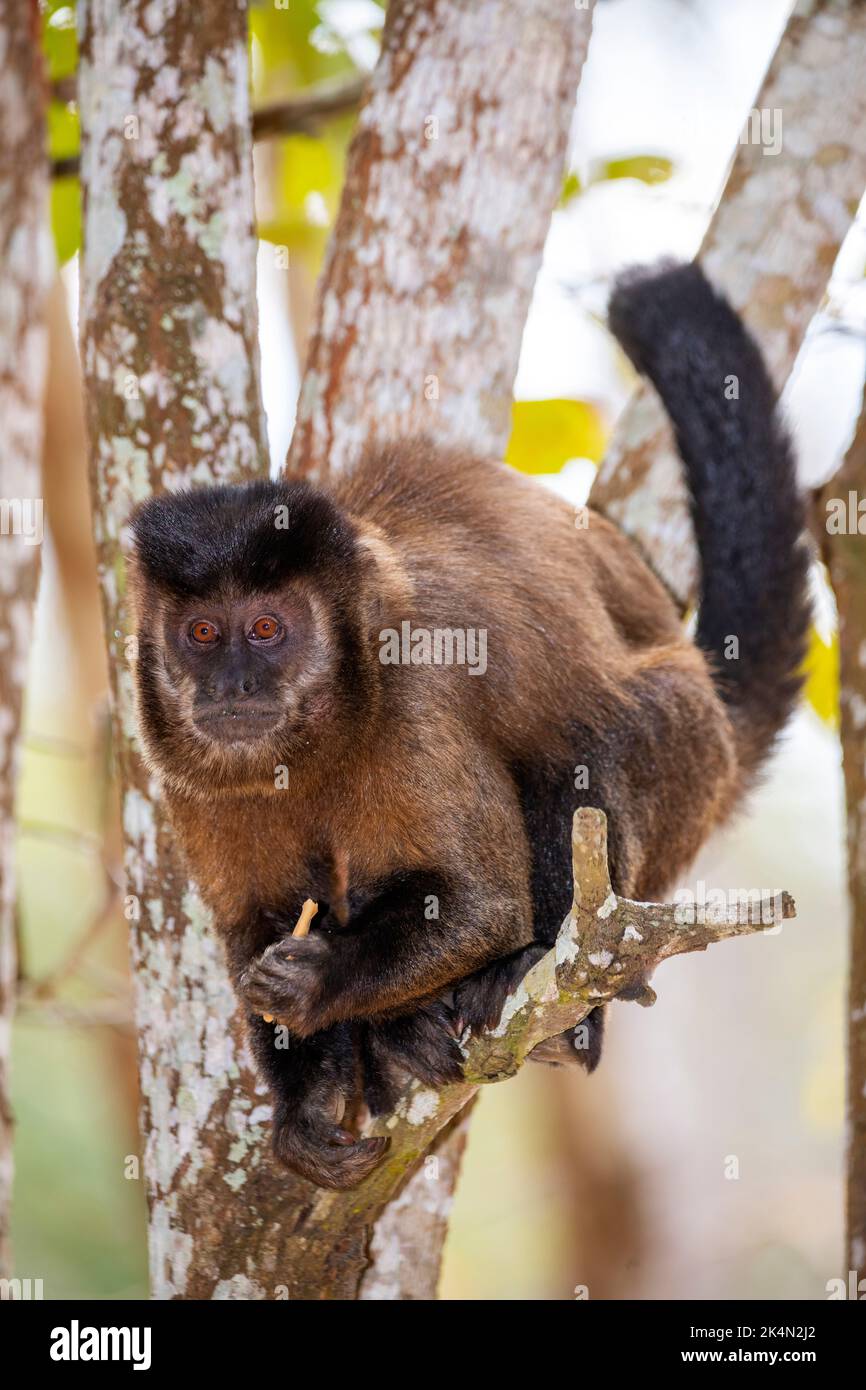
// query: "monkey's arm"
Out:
[420,934]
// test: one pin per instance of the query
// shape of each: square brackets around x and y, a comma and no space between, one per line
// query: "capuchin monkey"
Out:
[307,749]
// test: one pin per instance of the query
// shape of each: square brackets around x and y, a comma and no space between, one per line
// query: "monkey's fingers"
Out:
[576,1047]
[284,983]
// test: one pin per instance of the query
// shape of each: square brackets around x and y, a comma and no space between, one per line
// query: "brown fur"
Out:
[405,771]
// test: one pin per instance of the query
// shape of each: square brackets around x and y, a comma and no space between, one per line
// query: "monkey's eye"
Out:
[203,631]
[264,629]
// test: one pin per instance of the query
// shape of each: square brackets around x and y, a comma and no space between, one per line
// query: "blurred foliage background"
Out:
[620,1183]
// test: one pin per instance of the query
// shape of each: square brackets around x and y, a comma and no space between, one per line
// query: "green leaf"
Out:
[546,434]
[649,168]
[63,141]
[283,58]
[571,189]
[59,40]
[64,136]
[66,217]
[304,193]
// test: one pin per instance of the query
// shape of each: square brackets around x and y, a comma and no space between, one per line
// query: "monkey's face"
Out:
[232,687]
[239,664]
[248,615]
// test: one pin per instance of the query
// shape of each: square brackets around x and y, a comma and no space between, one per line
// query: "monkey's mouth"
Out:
[236,723]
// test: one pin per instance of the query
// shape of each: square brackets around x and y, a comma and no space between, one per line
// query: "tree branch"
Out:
[300,115]
[608,947]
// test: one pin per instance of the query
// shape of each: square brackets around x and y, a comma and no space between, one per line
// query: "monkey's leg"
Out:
[311,1080]
[548,799]
[480,999]
[422,1043]
[576,1047]
[661,771]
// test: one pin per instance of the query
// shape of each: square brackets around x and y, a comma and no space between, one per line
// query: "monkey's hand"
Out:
[292,980]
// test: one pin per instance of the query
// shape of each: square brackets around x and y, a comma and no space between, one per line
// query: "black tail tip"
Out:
[648,303]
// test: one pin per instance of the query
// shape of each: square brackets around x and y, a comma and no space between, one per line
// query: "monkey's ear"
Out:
[136,583]
[144,599]
[138,545]
[384,570]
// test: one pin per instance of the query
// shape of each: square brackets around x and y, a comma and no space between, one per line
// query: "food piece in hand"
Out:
[301,928]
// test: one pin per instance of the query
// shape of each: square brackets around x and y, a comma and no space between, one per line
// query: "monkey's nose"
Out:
[234,687]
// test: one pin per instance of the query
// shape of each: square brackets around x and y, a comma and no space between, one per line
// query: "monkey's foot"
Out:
[323,1152]
[421,1043]
[480,998]
[290,982]
[577,1047]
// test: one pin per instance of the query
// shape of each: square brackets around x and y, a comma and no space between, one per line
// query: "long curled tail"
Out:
[748,515]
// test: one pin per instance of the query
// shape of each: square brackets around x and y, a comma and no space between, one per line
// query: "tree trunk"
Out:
[846,557]
[770,247]
[168,342]
[25,271]
[452,175]
[170,356]
[404,1255]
